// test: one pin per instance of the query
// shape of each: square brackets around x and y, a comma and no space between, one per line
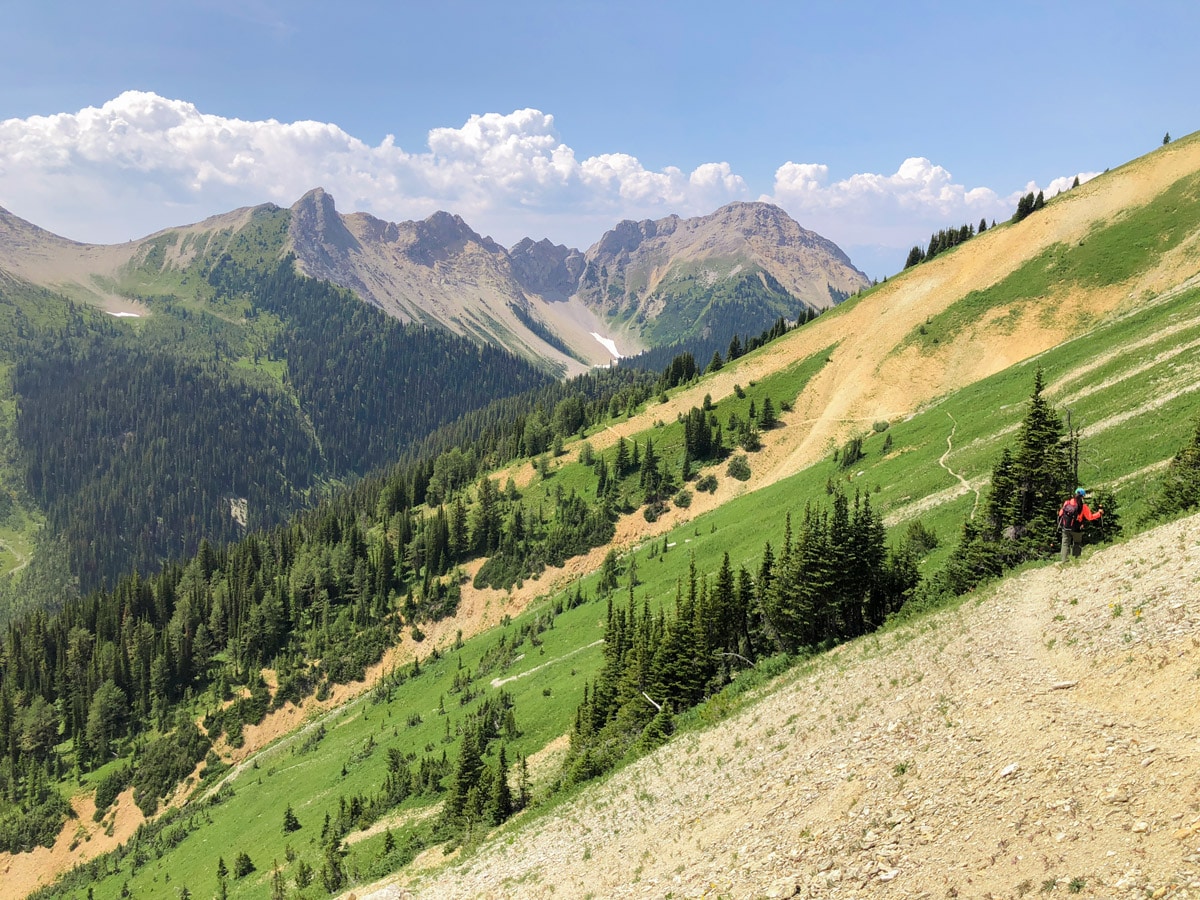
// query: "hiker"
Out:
[1071,518]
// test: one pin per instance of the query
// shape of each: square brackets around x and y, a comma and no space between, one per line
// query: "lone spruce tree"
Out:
[1020,518]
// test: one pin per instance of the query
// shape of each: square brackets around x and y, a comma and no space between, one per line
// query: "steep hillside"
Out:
[1039,738]
[96,274]
[886,362]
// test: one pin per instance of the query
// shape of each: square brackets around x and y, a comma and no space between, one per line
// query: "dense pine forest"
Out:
[140,442]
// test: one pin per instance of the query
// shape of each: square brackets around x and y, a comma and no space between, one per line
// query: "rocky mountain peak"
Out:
[550,270]
[442,235]
[317,224]
[628,235]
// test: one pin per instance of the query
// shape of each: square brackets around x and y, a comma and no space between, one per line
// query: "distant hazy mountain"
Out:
[738,269]
[642,284]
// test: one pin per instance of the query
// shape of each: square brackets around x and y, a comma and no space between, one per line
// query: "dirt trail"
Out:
[966,485]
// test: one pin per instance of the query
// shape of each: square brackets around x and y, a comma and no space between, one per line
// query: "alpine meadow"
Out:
[311,591]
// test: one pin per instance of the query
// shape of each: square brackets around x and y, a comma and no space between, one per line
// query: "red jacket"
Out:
[1085,515]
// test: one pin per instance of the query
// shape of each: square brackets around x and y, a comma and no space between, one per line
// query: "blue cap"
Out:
[1080,491]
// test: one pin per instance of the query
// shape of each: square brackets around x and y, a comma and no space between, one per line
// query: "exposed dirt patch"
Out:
[80,840]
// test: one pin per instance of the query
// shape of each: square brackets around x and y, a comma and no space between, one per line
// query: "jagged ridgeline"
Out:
[247,388]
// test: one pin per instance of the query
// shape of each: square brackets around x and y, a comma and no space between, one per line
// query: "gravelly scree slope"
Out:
[1043,737]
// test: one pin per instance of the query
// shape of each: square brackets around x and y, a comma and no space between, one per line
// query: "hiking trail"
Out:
[942,462]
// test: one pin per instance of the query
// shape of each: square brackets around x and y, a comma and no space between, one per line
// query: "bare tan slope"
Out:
[87,272]
[1042,737]
[869,379]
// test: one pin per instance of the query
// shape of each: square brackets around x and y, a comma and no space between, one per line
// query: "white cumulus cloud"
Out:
[142,162]
[877,217]
[883,208]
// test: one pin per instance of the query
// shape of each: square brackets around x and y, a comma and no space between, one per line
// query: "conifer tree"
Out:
[735,348]
[621,463]
[466,777]
[1041,465]
[766,418]
[1179,489]
[1020,519]
[290,822]
[500,803]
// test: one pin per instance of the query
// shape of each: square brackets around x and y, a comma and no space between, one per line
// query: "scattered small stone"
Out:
[785,887]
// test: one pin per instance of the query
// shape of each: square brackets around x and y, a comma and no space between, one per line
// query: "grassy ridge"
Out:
[1111,254]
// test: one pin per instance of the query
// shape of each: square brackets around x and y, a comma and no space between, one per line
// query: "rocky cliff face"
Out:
[633,263]
[437,271]
[550,270]
[739,269]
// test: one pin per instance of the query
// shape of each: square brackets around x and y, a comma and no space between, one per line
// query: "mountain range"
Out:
[642,284]
[221,295]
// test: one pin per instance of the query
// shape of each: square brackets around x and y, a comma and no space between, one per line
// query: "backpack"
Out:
[1068,516]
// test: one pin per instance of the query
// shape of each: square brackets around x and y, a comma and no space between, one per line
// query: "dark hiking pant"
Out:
[1072,543]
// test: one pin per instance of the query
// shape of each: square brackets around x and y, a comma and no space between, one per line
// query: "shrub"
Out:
[739,468]
[851,453]
[707,483]
[750,440]
[1179,487]
[165,762]
[243,865]
[683,499]
[108,787]
[920,538]
[652,511]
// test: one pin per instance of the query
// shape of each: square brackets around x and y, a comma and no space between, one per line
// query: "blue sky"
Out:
[871,123]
